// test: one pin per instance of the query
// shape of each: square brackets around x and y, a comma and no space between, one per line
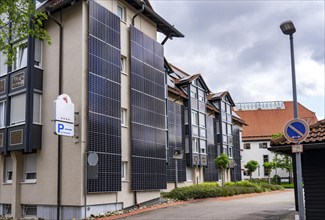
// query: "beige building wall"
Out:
[75,77]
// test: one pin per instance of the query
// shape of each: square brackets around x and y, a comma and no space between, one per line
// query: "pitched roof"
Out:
[263,123]
[316,135]
[220,95]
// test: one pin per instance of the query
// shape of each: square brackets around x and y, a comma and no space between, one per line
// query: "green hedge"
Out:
[210,189]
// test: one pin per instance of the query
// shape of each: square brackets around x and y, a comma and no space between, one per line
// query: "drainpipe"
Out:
[59,137]
[166,38]
[139,12]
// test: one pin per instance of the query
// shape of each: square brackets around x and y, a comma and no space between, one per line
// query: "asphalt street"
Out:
[278,205]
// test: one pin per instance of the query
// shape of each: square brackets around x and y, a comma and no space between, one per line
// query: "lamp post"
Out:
[288,28]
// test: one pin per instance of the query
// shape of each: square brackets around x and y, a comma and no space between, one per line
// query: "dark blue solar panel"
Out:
[104,97]
[211,171]
[175,140]
[148,113]
[236,150]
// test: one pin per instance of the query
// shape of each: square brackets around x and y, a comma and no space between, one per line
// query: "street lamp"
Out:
[288,28]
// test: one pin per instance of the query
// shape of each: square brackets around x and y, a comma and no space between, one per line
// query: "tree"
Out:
[251,166]
[284,162]
[222,163]
[268,167]
[19,20]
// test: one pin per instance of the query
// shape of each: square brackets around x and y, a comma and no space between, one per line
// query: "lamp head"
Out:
[288,28]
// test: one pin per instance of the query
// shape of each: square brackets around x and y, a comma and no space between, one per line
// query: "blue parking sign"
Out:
[296,130]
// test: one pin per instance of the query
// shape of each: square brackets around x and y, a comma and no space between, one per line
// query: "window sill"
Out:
[124,73]
[125,181]
[124,126]
[7,183]
[29,182]
[124,22]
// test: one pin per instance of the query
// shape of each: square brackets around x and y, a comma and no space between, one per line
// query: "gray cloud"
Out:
[238,46]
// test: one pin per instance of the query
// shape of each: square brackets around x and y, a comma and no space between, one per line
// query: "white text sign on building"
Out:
[64,116]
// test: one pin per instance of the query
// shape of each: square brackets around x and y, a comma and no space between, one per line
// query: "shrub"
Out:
[288,185]
[229,184]
[246,183]
[272,187]
[276,179]
[215,184]
[206,190]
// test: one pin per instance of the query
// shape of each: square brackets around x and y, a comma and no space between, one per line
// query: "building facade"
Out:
[265,119]
[132,110]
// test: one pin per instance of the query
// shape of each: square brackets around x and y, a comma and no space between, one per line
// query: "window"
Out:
[17,109]
[223,106]
[121,13]
[37,108]
[263,145]
[228,108]
[193,94]
[123,117]
[3,65]
[202,120]
[195,145]
[6,209]
[8,170]
[265,158]
[194,118]
[38,53]
[2,114]
[201,96]
[203,146]
[29,210]
[247,146]
[124,170]
[21,56]
[30,168]
[230,153]
[123,64]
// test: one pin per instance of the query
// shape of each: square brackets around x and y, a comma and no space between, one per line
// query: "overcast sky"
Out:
[238,46]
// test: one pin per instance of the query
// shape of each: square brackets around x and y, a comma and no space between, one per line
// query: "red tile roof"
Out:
[263,123]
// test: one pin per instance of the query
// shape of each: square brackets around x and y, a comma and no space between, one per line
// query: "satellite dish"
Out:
[92,159]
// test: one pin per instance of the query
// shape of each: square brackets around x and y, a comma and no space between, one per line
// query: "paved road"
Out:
[270,206]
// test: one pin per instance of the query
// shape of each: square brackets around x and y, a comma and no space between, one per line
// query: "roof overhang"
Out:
[162,25]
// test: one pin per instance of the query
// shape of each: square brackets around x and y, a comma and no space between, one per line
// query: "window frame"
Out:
[262,145]
[21,110]
[122,9]
[8,172]
[195,145]
[18,45]
[3,64]
[123,117]
[124,173]
[39,122]
[25,210]
[31,158]
[247,146]
[3,113]
[123,65]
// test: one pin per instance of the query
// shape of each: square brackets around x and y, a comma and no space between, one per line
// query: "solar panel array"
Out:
[175,140]
[236,151]
[104,101]
[211,171]
[148,112]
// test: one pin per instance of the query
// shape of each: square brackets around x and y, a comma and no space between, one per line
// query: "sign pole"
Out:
[297,155]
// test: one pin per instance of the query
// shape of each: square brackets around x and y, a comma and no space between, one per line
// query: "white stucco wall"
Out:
[257,153]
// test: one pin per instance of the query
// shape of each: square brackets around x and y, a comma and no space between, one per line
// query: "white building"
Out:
[264,119]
